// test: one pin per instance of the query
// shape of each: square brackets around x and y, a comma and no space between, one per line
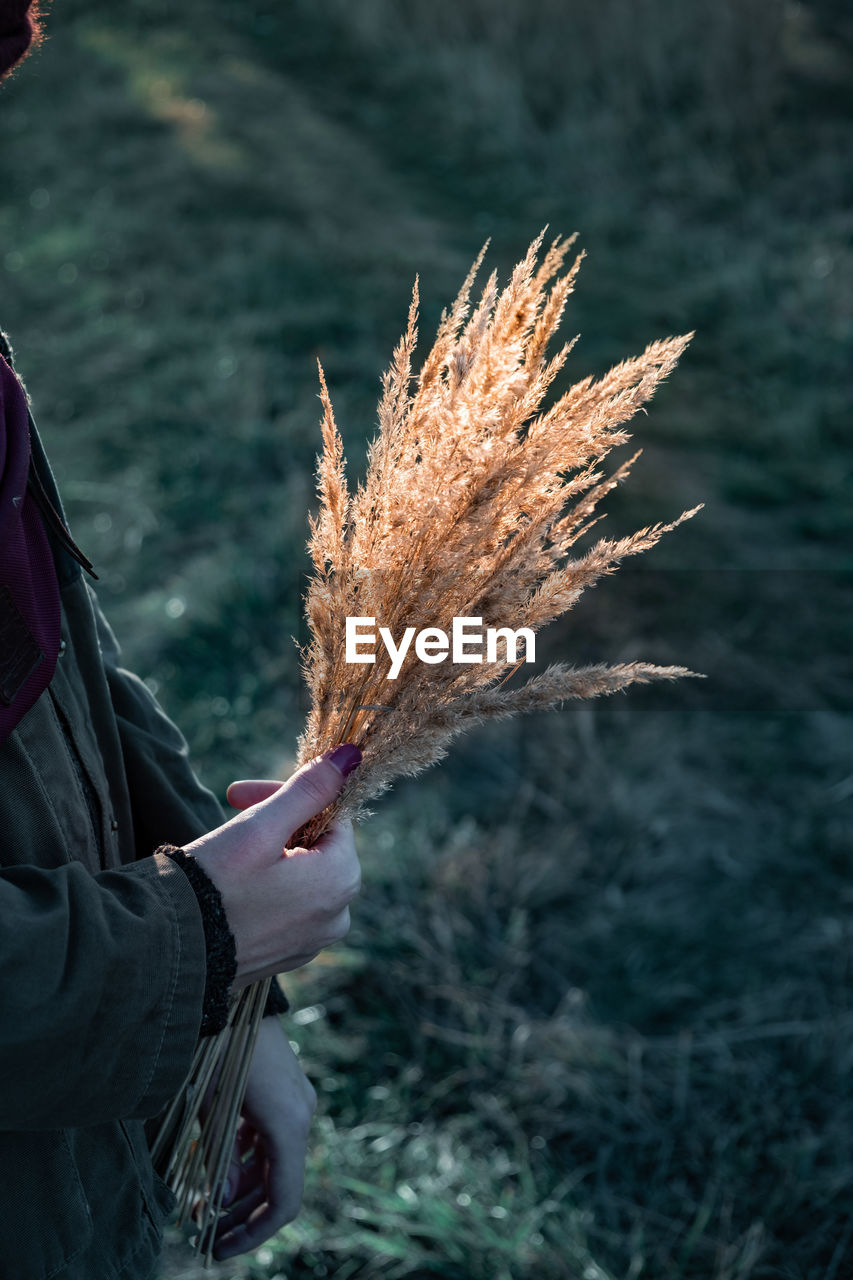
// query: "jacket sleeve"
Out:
[102,992]
[169,804]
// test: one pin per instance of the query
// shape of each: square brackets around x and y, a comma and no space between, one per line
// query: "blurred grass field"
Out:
[593,1019]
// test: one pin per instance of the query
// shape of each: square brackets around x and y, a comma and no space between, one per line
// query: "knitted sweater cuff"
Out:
[219,941]
[277,1001]
[221,948]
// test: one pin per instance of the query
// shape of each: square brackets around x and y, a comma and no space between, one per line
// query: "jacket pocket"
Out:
[46,1220]
[157,1199]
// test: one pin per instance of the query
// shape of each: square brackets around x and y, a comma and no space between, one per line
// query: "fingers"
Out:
[234,1220]
[308,791]
[243,1168]
[257,1217]
[241,1239]
[246,1186]
[242,795]
[338,843]
[279,1204]
[338,837]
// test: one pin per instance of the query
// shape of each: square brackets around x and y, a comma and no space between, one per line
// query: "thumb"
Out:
[309,790]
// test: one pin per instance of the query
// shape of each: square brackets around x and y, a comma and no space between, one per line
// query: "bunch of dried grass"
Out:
[473,497]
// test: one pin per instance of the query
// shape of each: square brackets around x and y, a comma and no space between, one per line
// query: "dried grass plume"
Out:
[474,495]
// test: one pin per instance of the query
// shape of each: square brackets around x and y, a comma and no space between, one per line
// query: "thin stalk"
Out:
[259,992]
[206,1061]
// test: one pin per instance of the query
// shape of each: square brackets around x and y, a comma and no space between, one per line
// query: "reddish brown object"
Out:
[20,31]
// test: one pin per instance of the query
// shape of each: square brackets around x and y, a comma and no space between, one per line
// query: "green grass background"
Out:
[593,1019]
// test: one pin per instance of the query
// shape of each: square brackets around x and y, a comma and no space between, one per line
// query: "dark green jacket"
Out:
[102,955]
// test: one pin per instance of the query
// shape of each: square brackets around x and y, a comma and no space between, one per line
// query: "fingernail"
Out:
[345,758]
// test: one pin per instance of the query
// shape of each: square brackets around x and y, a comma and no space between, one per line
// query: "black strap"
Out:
[34,483]
[53,518]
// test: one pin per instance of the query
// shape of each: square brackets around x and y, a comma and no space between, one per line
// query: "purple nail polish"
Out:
[345,758]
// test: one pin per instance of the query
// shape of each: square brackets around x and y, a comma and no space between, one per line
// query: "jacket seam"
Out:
[143,1195]
[56,1271]
[36,773]
[80,773]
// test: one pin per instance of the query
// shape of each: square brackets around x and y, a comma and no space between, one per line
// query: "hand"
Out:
[268,1165]
[283,905]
